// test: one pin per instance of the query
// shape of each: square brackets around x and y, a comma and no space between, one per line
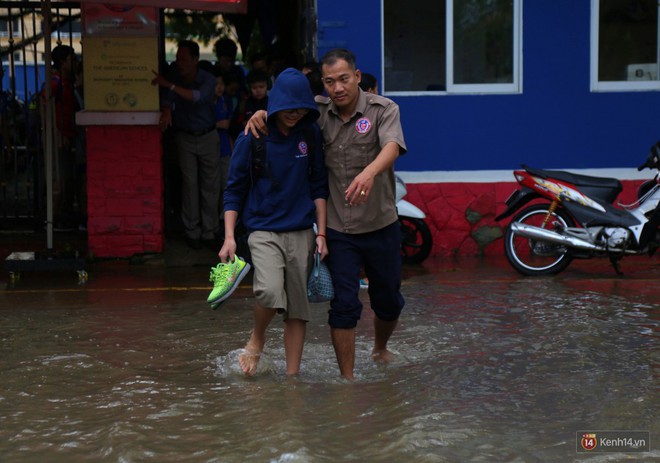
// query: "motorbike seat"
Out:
[606,189]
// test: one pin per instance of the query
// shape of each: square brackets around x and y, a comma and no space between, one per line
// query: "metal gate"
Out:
[22,173]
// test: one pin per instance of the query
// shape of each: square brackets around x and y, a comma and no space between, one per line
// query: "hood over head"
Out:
[291,90]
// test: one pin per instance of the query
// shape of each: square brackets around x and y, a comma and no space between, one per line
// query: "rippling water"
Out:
[490,368]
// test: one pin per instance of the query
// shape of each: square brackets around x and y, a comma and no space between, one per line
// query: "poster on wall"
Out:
[120,50]
[118,73]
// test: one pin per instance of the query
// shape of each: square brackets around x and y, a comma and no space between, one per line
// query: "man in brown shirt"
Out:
[362,140]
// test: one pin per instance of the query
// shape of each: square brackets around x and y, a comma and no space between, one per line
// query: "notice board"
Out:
[120,50]
[118,74]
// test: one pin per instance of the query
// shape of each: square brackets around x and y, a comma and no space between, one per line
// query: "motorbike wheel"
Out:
[533,257]
[416,240]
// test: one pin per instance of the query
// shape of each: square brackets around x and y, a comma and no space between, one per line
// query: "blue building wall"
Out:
[28,80]
[557,122]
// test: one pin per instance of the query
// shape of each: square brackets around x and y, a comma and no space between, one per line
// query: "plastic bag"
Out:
[319,284]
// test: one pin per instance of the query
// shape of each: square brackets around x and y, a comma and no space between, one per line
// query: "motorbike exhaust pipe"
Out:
[542,234]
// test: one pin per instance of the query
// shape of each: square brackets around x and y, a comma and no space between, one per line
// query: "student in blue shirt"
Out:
[279,205]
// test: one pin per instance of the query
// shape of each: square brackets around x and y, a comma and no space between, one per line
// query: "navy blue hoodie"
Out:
[283,198]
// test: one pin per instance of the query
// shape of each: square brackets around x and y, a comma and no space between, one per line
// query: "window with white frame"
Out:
[452,46]
[9,29]
[625,54]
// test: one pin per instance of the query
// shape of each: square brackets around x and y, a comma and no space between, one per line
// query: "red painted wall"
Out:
[124,190]
[461,216]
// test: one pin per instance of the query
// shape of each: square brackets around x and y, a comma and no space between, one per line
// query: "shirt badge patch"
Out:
[363,125]
[302,147]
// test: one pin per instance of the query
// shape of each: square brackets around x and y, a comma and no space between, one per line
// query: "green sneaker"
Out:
[225,279]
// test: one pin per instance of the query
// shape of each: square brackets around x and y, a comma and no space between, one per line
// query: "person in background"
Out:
[226,51]
[189,107]
[261,62]
[65,66]
[206,65]
[233,94]
[279,205]
[258,84]
[80,147]
[310,66]
[312,70]
[369,83]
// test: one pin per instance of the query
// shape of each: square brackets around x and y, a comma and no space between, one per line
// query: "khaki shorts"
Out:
[282,262]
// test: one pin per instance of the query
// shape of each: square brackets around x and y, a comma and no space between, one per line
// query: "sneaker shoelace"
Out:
[219,273]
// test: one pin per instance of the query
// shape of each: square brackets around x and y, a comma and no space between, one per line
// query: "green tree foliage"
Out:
[201,26]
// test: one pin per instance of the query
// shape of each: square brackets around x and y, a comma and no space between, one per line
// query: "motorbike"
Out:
[574,216]
[416,238]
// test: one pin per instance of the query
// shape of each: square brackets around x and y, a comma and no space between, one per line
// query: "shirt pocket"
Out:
[363,154]
[367,152]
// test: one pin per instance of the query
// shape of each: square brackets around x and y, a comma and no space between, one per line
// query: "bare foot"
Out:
[382,356]
[248,360]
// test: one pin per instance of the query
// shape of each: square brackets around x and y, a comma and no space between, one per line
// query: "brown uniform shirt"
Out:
[348,148]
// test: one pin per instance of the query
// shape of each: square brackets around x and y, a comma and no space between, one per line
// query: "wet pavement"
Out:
[133,366]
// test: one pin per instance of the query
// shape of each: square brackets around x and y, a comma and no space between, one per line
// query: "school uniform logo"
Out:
[302,147]
[363,125]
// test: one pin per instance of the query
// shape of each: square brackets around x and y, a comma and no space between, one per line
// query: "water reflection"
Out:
[490,368]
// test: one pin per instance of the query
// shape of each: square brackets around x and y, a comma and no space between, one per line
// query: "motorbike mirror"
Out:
[653,160]
[655,155]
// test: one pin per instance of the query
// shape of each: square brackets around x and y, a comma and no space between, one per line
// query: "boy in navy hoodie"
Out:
[279,205]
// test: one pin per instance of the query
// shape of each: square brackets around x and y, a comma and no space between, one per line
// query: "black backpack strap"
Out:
[260,166]
[258,148]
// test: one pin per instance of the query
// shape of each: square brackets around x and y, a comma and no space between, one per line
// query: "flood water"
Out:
[491,367]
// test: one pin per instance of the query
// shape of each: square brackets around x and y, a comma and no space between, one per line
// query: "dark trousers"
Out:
[380,254]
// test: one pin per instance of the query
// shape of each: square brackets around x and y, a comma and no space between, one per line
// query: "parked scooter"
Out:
[577,219]
[416,238]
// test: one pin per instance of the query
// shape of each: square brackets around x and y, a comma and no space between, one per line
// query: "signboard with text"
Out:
[120,50]
[118,73]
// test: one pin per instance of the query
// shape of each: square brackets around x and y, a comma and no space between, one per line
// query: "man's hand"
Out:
[165,119]
[359,189]
[257,124]
[321,246]
[160,80]
[228,251]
